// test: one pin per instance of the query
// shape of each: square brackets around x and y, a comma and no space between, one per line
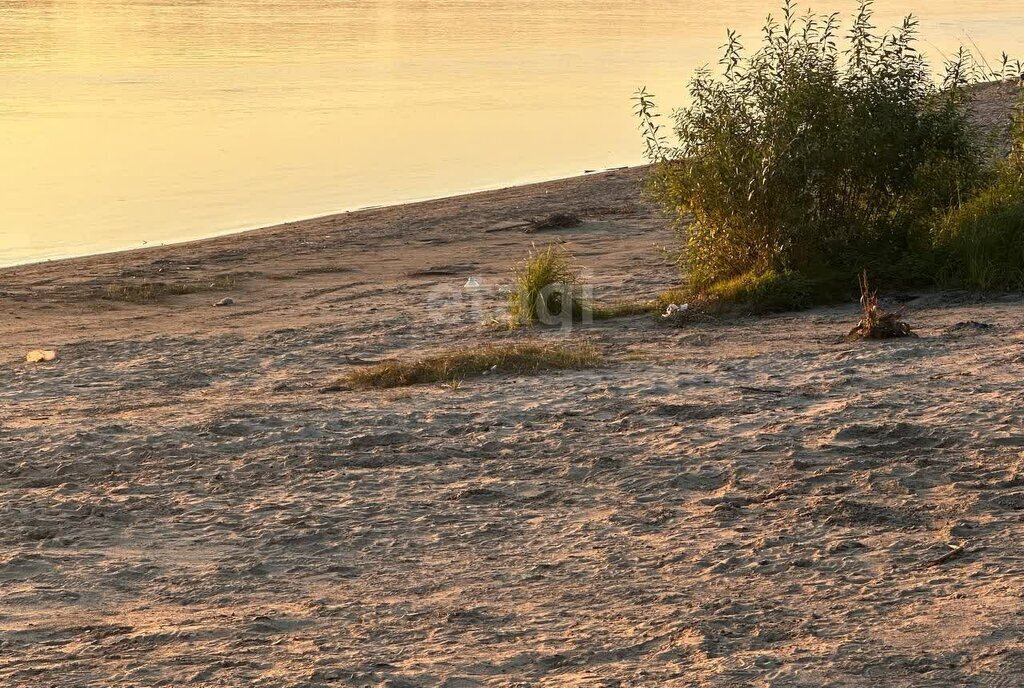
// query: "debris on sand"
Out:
[955,552]
[683,314]
[876,323]
[41,356]
[675,310]
[970,326]
[556,221]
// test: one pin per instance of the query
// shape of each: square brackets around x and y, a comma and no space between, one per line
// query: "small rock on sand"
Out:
[226,301]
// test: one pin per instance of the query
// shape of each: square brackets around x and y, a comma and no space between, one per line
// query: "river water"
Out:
[138,122]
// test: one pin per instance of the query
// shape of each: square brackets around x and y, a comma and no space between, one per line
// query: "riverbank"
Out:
[738,502]
[274,274]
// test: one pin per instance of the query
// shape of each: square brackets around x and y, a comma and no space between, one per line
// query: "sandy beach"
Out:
[742,502]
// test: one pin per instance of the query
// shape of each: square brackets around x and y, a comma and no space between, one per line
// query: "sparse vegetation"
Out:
[980,244]
[624,309]
[545,284]
[324,270]
[816,155]
[752,293]
[143,292]
[522,358]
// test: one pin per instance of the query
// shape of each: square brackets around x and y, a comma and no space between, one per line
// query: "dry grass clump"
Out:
[545,284]
[154,292]
[520,358]
[876,323]
[624,309]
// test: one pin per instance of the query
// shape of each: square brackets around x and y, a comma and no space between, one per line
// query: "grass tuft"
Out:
[525,358]
[545,284]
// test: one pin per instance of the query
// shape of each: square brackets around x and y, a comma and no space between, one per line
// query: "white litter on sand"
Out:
[675,309]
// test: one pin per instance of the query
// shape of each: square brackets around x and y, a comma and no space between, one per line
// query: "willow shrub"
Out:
[819,154]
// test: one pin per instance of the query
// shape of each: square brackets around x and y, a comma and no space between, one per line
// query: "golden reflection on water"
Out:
[131,121]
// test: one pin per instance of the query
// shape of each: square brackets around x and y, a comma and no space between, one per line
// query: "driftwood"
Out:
[954,553]
[876,323]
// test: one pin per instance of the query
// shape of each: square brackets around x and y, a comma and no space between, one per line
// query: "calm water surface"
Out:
[124,122]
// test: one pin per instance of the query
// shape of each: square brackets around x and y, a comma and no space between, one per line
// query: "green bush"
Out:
[980,244]
[815,157]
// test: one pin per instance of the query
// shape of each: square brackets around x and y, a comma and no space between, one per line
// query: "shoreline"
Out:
[325,216]
[270,267]
[993,101]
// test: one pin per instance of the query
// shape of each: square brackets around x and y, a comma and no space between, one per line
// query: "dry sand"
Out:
[750,502]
